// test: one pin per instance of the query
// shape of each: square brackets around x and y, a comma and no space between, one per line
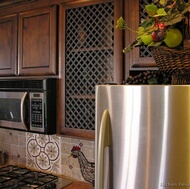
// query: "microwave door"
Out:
[12,111]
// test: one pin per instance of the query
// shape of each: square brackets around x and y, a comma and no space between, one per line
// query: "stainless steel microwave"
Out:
[28,105]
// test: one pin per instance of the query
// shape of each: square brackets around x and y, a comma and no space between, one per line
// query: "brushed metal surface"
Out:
[150,133]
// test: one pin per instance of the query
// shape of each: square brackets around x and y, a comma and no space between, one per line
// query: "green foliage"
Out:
[151,9]
[121,24]
[169,12]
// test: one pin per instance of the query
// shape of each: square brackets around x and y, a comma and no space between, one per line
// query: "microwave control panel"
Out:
[36,111]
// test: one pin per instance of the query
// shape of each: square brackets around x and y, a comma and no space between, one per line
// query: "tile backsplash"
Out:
[45,152]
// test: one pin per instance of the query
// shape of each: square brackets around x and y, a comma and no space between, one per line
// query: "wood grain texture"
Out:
[79,185]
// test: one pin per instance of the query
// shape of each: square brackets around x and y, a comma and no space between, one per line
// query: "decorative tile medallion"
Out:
[43,152]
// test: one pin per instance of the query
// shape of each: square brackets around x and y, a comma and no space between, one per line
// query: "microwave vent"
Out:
[26,84]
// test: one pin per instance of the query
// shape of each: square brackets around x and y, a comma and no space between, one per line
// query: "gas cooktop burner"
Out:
[14,177]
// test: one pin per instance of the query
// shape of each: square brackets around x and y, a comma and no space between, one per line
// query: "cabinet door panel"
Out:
[89,51]
[8,45]
[37,42]
[140,58]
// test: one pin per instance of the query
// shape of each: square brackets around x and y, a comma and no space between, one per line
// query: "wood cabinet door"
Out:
[140,58]
[8,45]
[91,54]
[37,42]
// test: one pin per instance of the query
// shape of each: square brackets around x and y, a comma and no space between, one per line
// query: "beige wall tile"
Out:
[14,143]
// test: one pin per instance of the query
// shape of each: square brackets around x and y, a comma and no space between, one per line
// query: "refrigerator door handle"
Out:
[105,140]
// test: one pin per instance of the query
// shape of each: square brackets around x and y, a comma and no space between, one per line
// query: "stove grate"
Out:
[14,177]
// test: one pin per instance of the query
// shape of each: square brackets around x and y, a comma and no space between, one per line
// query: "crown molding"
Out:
[10,3]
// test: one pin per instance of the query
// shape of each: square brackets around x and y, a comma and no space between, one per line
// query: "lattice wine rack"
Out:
[89,60]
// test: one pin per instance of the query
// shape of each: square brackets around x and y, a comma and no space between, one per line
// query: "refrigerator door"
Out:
[150,136]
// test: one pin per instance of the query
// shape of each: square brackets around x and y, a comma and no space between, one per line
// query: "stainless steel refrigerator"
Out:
[142,137]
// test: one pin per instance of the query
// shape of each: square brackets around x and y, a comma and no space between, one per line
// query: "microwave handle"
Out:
[22,107]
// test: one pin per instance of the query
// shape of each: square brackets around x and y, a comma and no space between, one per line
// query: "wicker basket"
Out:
[174,61]
[181,79]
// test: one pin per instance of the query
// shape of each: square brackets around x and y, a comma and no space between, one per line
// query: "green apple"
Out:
[146,39]
[173,37]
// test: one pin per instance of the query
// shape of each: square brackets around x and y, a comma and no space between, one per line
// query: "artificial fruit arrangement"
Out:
[161,27]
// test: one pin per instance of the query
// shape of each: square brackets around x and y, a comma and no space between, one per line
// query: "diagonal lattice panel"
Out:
[89,60]
[144,51]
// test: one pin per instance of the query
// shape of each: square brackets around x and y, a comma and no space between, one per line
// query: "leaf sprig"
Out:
[169,12]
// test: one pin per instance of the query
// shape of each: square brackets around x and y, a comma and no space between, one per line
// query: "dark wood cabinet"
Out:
[28,41]
[8,45]
[140,58]
[91,54]
[37,42]
[75,41]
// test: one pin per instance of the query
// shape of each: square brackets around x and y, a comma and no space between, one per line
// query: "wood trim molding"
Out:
[10,3]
